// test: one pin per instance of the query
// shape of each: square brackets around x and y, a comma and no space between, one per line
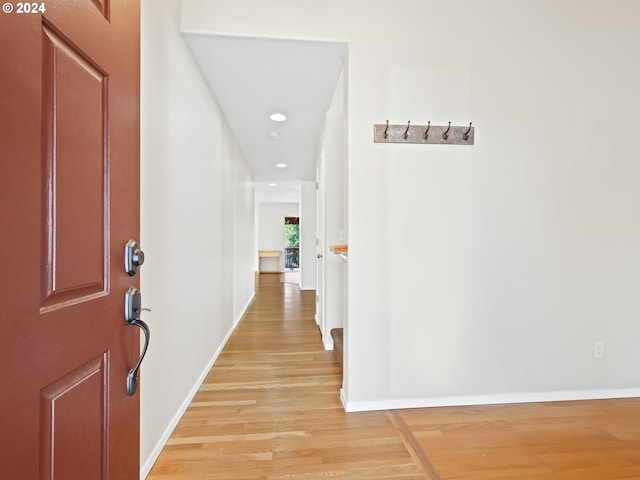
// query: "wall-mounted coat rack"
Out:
[433,134]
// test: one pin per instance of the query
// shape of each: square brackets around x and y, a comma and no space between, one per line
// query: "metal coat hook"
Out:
[406,132]
[386,129]
[466,134]
[445,135]
[426,132]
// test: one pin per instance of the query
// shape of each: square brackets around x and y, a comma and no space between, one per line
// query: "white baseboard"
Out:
[155,453]
[400,403]
[244,310]
[343,399]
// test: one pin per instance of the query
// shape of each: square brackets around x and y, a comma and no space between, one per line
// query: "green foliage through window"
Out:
[292,235]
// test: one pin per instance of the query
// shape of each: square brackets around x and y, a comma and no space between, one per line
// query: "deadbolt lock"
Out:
[133,257]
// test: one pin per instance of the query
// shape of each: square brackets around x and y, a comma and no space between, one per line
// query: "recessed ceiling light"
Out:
[273,184]
[278,117]
[273,136]
[281,165]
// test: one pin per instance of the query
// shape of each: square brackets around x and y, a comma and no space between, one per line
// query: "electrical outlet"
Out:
[598,349]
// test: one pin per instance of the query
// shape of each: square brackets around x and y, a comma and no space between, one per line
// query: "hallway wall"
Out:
[482,274]
[197,223]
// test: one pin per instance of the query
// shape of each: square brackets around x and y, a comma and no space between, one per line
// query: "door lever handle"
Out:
[132,376]
[132,311]
[133,305]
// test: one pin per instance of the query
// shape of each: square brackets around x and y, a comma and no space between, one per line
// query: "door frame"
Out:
[320,247]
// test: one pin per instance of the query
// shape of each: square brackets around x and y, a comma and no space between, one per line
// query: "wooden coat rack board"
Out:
[427,134]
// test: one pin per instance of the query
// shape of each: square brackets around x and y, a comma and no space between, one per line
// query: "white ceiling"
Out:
[251,78]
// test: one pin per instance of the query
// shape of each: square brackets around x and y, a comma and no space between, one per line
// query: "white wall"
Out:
[308,262]
[271,231]
[197,213]
[483,273]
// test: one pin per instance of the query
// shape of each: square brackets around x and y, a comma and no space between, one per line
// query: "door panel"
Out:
[75,133]
[69,202]
[72,421]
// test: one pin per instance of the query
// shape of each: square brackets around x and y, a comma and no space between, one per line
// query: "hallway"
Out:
[270,407]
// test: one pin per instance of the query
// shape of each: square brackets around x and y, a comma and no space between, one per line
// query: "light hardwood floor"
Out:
[270,410]
[587,440]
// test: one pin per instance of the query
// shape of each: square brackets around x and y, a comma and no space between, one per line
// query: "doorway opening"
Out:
[292,243]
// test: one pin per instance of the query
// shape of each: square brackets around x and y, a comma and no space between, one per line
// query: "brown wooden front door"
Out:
[69,202]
